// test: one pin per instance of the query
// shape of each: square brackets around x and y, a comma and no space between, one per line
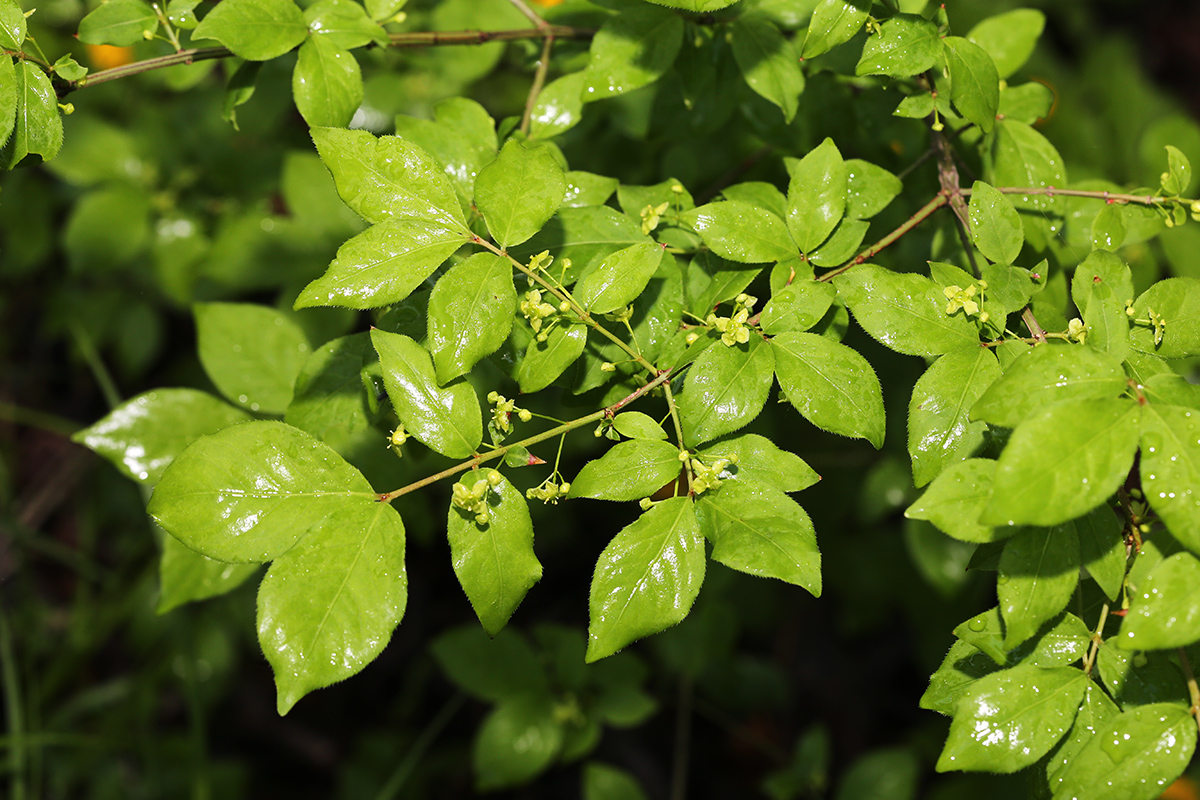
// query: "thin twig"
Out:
[1193,689]
[529,13]
[415,753]
[1097,639]
[539,80]
[916,219]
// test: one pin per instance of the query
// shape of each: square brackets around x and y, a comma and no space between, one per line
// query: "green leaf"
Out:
[37,127]
[545,361]
[842,244]
[586,236]
[631,50]
[1133,756]
[462,138]
[1038,573]
[1063,462]
[995,225]
[328,606]
[1009,719]
[619,278]
[388,177]
[12,25]
[869,188]
[559,107]
[975,83]
[8,96]
[252,353]
[758,193]
[602,782]
[1108,228]
[1063,644]
[962,666]
[493,669]
[986,632]
[833,22]
[903,45]
[1139,679]
[343,23]
[816,195]
[1026,103]
[588,189]
[249,492]
[495,562]
[832,386]
[256,30]
[382,10]
[725,389]
[917,106]
[186,576]
[518,740]
[695,6]
[797,307]
[939,430]
[647,577]
[143,435]
[1170,469]
[741,232]
[1019,156]
[447,418]
[470,313]
[1102,548]
[1096,710]
[1046,375]
[905,312]
[118,22]
[519,191]
[956,499]
[384,263]
[760,462]
[759,530]
[885,774]
[1165,611]
[768,62]
[1105,268]
[327,83]
[636,425]
[1176,301]
[329,400]
[1009,38]
[628,471]
[1178,176]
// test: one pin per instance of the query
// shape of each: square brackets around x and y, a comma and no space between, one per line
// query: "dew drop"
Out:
[978,624]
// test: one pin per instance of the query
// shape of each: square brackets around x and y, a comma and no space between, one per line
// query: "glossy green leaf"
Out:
[1105,268]
[329,400]
[962,666]
[602,782]
[256,30]
[1140,678]
[586,236]
[903,45]
[695,6]
[1102,548]
[559,107]
[1019,156]
[995,225]
[842,244]
[185,576]
[1097,709]
[869,188]
[8,96]
[1009,38]
[725,389]
[1165,611]
[1063,462]
[385,177]
[37,127]
[518,740]
[816,195]
[768,62]
[143,435]
[939,430]
[252,353]
[327,83]
[833,22]
[831,385]
[1009,719]
[758,193]
[916,106]
[741,232]
[1038,573]
[1176,302]
[470,313]
[636,425]
[905,312]
[1108,228]
[619,278]
[631,50]
[956,499]
[628,471]
[1178,176]
[1046,375]
[1060,646]
[447,418]
[519,191]
[797,307]
[647,577]
[588,189]
[118,22]
[495,562]
[492,668]
[759,530]
[545,361]
[760,462]
[462,137]
[249,492]
[1133,756]
[344,23]
[1026,103]
[986,632]
[1170,468]
[12,25]
[328,606]
[975,83]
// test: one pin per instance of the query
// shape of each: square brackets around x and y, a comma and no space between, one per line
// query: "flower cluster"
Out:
[733,328]
[474,500]
[504,408]
[961,298]
[708,476]
[651,216]
[549,491]
[397,439]
[536,311]
[1076,330]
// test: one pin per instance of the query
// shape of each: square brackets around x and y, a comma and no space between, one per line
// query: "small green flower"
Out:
[535,310]
[651,216]
[1076,330]
[474,500]
[961,298]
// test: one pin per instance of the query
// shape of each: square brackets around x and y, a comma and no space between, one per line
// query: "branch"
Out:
[916,219]
[529,13]
[539,80]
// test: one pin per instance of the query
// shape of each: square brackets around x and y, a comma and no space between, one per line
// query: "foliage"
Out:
[593,258]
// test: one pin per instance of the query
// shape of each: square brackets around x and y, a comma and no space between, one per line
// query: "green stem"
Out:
[1193,689]
[529,13]
[108,386]
[687,465]
[51,423]
[661,378]
[1097,640]
[539,80]
[14,703]
[916,219]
